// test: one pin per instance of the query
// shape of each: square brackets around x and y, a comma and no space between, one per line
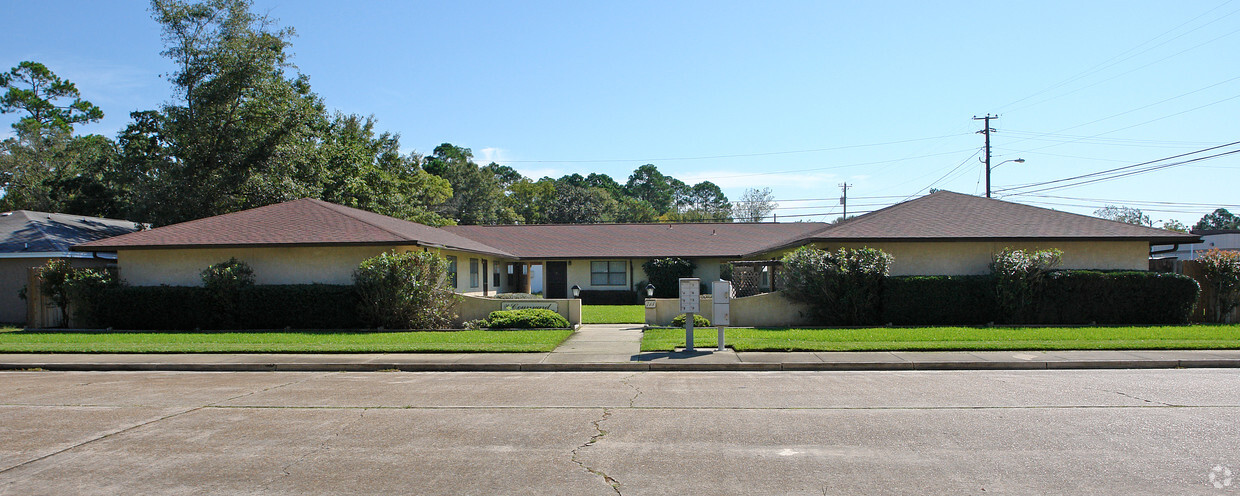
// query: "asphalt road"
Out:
[973,432]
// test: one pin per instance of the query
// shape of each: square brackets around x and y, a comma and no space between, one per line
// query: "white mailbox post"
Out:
[689,305]
[722,297]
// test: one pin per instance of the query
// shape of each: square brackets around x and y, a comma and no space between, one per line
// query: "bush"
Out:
[1221,270]
[53,284]
[698,321]
[939,300]
[299,306]
[83,288]
[842,287]
[665,274]
[224,282]
[609,297]
[1019,280]
[405,290]
[517,296]
[526,318]
[1084,297]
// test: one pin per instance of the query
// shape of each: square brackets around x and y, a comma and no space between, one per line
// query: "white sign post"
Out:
[689,305]
[722,299]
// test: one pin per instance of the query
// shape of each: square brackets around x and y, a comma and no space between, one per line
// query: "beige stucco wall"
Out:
[476,308]
[463,285]
[973,257]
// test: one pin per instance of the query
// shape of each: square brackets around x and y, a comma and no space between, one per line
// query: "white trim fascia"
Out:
[48,254]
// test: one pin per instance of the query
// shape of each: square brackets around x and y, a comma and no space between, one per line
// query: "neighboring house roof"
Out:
[305,222]
[636,240]
[26,233]
[948,216]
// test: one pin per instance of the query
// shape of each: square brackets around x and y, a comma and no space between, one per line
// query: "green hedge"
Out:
[156,308]
[300,306]
[1069,297]
[526,318]
[296,306]
[698,321]
[1084,297]
[939,300]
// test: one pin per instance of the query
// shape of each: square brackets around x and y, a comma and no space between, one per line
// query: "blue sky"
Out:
[795,96]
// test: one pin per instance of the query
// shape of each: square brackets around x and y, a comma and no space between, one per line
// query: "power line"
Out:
[954,169]
[1112,201]
[1121,172]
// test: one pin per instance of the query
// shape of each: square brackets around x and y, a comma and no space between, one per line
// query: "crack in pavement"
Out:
[1126,395]
[116,432]
[323,446]
[625,381]
[598,435]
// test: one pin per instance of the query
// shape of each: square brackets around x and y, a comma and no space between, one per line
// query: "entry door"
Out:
[556,280]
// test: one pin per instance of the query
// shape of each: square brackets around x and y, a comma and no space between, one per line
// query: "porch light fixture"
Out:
[650,291]
[576,292]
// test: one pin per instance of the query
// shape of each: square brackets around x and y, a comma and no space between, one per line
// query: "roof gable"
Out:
[299,222]
[27,231]
[948,215]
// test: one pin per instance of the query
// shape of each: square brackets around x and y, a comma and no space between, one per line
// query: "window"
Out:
[607,273]
[495,277]
[452,271]
[473,272]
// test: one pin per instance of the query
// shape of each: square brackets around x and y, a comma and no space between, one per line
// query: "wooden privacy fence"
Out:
[1205,309]
[40,311]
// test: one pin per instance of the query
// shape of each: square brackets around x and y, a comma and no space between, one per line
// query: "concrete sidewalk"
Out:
[638,362]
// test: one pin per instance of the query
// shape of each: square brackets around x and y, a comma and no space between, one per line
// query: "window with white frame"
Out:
[608,273]
[473,272]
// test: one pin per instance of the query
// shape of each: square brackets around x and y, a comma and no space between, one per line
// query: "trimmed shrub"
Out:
[1019,280]
[1084,297]
[841,287]
[224,282]
[939,300]
[665,274]
[300,306]
[698,321]
[155,308]
[526,318]
[606,297]
[406,290]
[83,287]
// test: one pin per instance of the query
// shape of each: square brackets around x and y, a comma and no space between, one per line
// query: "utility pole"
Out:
[844,199]
[986,131]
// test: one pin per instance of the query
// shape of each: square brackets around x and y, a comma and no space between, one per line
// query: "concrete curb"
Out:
[619,366]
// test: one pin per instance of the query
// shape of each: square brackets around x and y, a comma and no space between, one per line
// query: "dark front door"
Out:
[557,280]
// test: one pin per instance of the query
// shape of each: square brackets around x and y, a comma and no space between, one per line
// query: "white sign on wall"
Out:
[689,298]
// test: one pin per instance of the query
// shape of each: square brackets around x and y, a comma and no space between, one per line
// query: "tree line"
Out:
[243,129]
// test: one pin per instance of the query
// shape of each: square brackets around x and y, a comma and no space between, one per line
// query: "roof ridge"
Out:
[328,205]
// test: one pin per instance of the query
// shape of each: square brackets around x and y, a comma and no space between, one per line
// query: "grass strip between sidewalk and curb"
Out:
[14,340]
[1196,337]
[613,314]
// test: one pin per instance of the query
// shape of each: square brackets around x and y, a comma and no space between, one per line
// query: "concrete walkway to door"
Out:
[593,343]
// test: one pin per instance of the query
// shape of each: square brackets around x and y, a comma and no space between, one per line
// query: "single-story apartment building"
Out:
[312,241]
[29,239]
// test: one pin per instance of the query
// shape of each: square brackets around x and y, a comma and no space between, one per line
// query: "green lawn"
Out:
[955,338]
[613,314]
[47,341]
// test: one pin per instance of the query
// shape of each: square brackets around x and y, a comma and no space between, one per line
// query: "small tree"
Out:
[224,282]
[54,285]
[841,287]
[665,274]
[405,291]
[1019,279]
[1221,270]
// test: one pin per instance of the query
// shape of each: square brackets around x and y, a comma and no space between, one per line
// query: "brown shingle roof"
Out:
[636,240]
[953,216]
[295,223]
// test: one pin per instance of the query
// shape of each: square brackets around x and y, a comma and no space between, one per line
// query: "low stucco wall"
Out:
[974,257]
[764,310]
[475,308]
